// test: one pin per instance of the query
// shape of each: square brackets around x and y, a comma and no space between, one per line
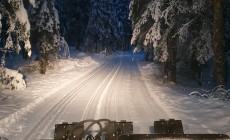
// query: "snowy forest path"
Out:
[116,90]
[46,122]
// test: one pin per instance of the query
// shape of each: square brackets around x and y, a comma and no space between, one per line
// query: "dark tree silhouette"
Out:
[220,59]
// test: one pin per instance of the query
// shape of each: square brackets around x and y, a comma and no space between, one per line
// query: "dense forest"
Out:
[184,37]
[46,27]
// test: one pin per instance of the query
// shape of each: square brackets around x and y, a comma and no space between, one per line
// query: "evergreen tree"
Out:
[14,28]
[121,10]
[170,25]
[155,24]
[74,15]
[98,29]
[46,35]
[106,26]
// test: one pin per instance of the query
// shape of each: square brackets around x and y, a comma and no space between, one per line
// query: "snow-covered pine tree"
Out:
[98,31]
[198,32]
[122,24]
[14,28]
[154,25]
[74,15]
[105,29]
[167,26]
[46,34]
[14,35]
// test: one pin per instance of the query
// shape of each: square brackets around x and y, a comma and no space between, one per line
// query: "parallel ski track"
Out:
[96,95]
[112,96]
[57,109]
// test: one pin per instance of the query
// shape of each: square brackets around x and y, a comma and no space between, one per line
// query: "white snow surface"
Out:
[120,88]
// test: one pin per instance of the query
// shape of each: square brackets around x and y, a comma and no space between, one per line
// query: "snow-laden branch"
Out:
[32,2]
[22,16]
[161,51]
[131,9]
[174,4]
[183,32]
[201,46]
[217,93]
[165,14]
[136,33]
[180,5]
[153,34]
[18,27]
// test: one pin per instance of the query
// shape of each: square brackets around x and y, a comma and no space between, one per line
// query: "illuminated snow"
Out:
[121,88]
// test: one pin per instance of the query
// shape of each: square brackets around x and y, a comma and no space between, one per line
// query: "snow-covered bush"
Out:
[218,93]
[11,79]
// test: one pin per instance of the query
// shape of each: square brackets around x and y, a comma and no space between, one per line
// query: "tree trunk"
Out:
[197,71]
[146,56]
[153,56]
[43,62]
[173,62]
[165,80]
[171,43]
[172,56]
[220,59]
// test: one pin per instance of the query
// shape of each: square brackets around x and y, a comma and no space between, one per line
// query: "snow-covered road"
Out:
[115,90]
[118,90]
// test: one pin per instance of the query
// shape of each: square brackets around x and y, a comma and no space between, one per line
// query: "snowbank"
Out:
[60,65]
[11,79]
[69,64]
[208,114]
[151,69]
[29,68]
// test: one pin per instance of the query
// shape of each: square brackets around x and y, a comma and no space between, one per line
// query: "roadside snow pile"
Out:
[218,93]
[11,79]
[85,62]
[69,64]
[59,65]
[152,69]
[29,68]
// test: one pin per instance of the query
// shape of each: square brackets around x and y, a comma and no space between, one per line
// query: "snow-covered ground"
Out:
[16,103]
[199,115]
[120,88]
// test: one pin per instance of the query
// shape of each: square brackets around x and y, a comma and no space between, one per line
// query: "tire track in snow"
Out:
[96,92]
[45,123]
[105,91]
[111,99]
